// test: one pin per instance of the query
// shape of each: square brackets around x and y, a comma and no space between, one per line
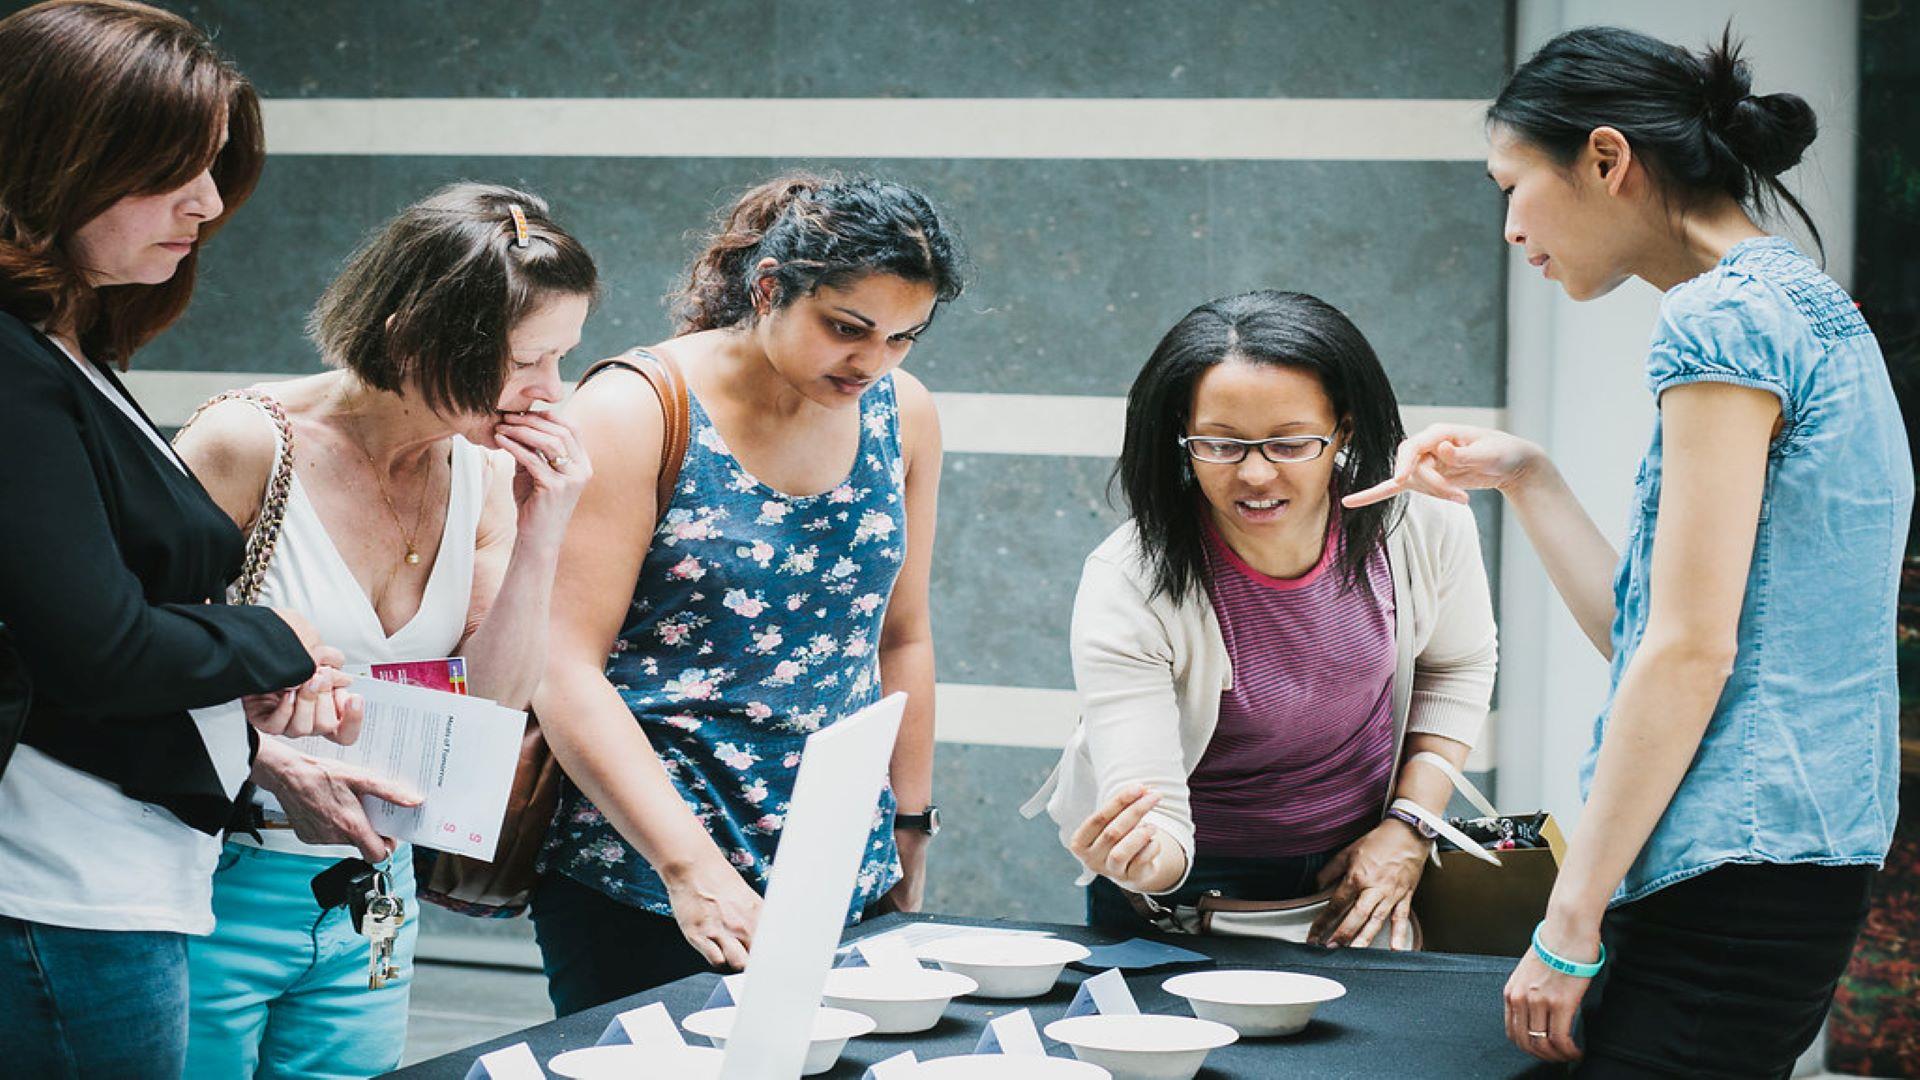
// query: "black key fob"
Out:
[339,884]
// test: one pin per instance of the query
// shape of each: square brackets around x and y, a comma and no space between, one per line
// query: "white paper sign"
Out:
[887,954]
[915,934]
[841,773]
[515,1062]
[458,752]
[1105,993]
[649,1025]
[897,1067]
[1013,1033]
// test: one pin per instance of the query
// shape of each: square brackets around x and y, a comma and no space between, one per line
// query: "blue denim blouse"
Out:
[1800,762]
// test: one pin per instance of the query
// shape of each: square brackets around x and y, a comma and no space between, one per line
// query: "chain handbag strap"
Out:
[265,535]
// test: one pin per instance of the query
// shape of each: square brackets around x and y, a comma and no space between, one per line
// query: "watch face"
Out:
[933,820]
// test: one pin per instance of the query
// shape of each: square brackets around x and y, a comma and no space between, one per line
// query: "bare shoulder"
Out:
[919,419]
[230,438]
[231,446]
[619,418]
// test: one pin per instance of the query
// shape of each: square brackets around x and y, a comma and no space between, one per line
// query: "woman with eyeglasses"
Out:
[1256,665]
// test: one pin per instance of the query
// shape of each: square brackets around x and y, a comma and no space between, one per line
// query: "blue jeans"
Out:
[1282,877]
[280,988]
[98,1004]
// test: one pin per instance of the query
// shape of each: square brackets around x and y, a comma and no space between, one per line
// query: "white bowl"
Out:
[1257,1004]
[1146,1046]
[1007,1067]
[625,1062]
[831,1030]
[899,1001]
[1006,965]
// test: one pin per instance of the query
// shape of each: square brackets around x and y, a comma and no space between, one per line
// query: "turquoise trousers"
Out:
[280,988]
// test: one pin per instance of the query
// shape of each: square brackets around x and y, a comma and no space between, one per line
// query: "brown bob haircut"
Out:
[429,299]
[101,100]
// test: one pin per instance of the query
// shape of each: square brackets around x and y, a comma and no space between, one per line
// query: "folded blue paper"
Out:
[1139,954]
[720,998]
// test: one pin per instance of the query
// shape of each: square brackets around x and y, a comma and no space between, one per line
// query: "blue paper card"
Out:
[1140,954]
[721,998]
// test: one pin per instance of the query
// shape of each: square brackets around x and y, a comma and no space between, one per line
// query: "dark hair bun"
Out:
[1768,134]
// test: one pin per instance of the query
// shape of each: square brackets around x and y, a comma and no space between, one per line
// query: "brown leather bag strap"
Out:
[662,373]
[265,535]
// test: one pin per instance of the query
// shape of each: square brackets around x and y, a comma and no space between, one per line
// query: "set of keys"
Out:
[364,890]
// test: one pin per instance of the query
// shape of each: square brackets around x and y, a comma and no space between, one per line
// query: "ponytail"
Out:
[718,292]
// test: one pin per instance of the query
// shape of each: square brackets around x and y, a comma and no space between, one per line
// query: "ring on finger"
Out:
[559,461]
[1537,1035]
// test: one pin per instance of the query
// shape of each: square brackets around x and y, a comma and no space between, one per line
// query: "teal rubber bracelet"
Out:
[1563,965]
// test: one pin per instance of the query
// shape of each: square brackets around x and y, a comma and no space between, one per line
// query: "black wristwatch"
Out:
[928,822]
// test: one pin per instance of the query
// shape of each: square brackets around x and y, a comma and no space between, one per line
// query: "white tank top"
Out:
[309,575]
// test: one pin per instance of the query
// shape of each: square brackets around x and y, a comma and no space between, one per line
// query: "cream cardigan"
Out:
[1150,671]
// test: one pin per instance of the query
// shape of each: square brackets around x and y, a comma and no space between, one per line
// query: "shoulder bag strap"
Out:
[662,373]
[273,508]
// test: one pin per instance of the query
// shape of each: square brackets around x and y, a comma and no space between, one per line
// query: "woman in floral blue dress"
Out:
[695,646]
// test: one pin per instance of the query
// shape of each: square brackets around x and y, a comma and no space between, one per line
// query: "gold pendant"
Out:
[413,557]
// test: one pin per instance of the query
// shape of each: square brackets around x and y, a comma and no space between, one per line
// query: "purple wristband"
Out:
[1425,830]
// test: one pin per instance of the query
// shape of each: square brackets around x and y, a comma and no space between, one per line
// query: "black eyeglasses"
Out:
[1286,450]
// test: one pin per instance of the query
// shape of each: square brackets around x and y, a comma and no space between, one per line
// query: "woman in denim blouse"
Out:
[1742,784]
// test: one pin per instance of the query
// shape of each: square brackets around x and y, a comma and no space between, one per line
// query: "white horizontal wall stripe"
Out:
[1245,129]
[1039,424]
[1005,715]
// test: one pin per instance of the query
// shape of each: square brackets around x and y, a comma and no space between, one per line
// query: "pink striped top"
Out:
[1302,757]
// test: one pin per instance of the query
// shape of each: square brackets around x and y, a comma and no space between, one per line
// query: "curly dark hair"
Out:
[821,230]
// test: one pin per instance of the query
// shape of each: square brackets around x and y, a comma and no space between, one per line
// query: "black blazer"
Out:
[113,570]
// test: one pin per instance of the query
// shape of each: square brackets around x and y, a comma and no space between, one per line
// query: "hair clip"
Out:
[522,236]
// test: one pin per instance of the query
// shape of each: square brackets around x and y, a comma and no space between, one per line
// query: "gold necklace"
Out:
[380,480]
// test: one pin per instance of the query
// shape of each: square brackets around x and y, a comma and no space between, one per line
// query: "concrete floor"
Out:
[456,1006]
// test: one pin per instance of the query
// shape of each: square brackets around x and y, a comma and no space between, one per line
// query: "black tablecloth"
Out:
[1405,1015]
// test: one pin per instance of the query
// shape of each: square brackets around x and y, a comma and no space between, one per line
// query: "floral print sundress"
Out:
[755,622]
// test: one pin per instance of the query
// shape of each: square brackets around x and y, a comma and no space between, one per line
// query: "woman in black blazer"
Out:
[124,141]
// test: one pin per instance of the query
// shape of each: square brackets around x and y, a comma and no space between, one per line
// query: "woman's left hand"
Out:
[1377,875]
[550,471]
[910,891]
[1541,1003]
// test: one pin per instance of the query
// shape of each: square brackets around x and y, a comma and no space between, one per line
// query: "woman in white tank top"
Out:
[423,521]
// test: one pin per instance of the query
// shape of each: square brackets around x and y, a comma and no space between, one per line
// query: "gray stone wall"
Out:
[1079,265]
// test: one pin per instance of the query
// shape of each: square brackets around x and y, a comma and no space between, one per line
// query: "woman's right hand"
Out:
[322,798]
[1116,842]
[323,705]
[1448,460]
[716,909]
